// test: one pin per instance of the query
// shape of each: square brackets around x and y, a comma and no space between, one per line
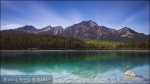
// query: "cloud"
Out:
[130,19]
[75,16]
[11,26]
[47,16]
[40,15]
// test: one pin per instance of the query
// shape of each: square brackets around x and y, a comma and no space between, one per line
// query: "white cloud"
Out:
[46,16]
[42,16]
[130,19]
[11,26]
[75,16]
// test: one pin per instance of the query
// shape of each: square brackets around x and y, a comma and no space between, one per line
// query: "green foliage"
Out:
[101,45]
[33,41]
[51,42]
[134,46]
[107,45]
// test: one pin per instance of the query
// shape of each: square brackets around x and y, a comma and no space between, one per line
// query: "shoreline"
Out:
[74,50]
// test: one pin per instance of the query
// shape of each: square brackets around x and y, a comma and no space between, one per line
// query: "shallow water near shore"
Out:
[79,66]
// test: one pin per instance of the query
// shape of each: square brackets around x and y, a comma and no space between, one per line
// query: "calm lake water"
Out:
[79,66]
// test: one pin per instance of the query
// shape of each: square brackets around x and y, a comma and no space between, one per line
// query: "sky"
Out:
[112,14]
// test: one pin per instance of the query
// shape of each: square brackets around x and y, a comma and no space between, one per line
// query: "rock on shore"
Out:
[130,73]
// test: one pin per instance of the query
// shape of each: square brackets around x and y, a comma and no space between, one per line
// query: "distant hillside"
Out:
[85,30]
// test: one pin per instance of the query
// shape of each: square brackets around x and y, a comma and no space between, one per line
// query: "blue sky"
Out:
[112,14]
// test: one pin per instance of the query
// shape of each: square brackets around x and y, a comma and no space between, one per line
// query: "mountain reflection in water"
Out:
[83,63]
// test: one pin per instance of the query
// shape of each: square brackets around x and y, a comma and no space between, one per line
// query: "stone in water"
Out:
[130,73]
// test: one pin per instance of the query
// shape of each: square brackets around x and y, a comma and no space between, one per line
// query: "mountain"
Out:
[27,29]
[90,30]
[126,34]
[57,30]
[85,30]
[11,31]
[21,30]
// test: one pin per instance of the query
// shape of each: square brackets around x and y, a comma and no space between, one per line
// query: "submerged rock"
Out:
[130,73]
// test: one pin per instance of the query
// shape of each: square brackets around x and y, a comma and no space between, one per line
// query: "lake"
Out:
[79,66]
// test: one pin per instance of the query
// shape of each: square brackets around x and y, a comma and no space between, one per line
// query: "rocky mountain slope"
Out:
[85,30]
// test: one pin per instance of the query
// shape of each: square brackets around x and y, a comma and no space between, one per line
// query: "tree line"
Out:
[40,42]
[53,42]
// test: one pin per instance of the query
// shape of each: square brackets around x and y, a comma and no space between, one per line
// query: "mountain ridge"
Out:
[85,30]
